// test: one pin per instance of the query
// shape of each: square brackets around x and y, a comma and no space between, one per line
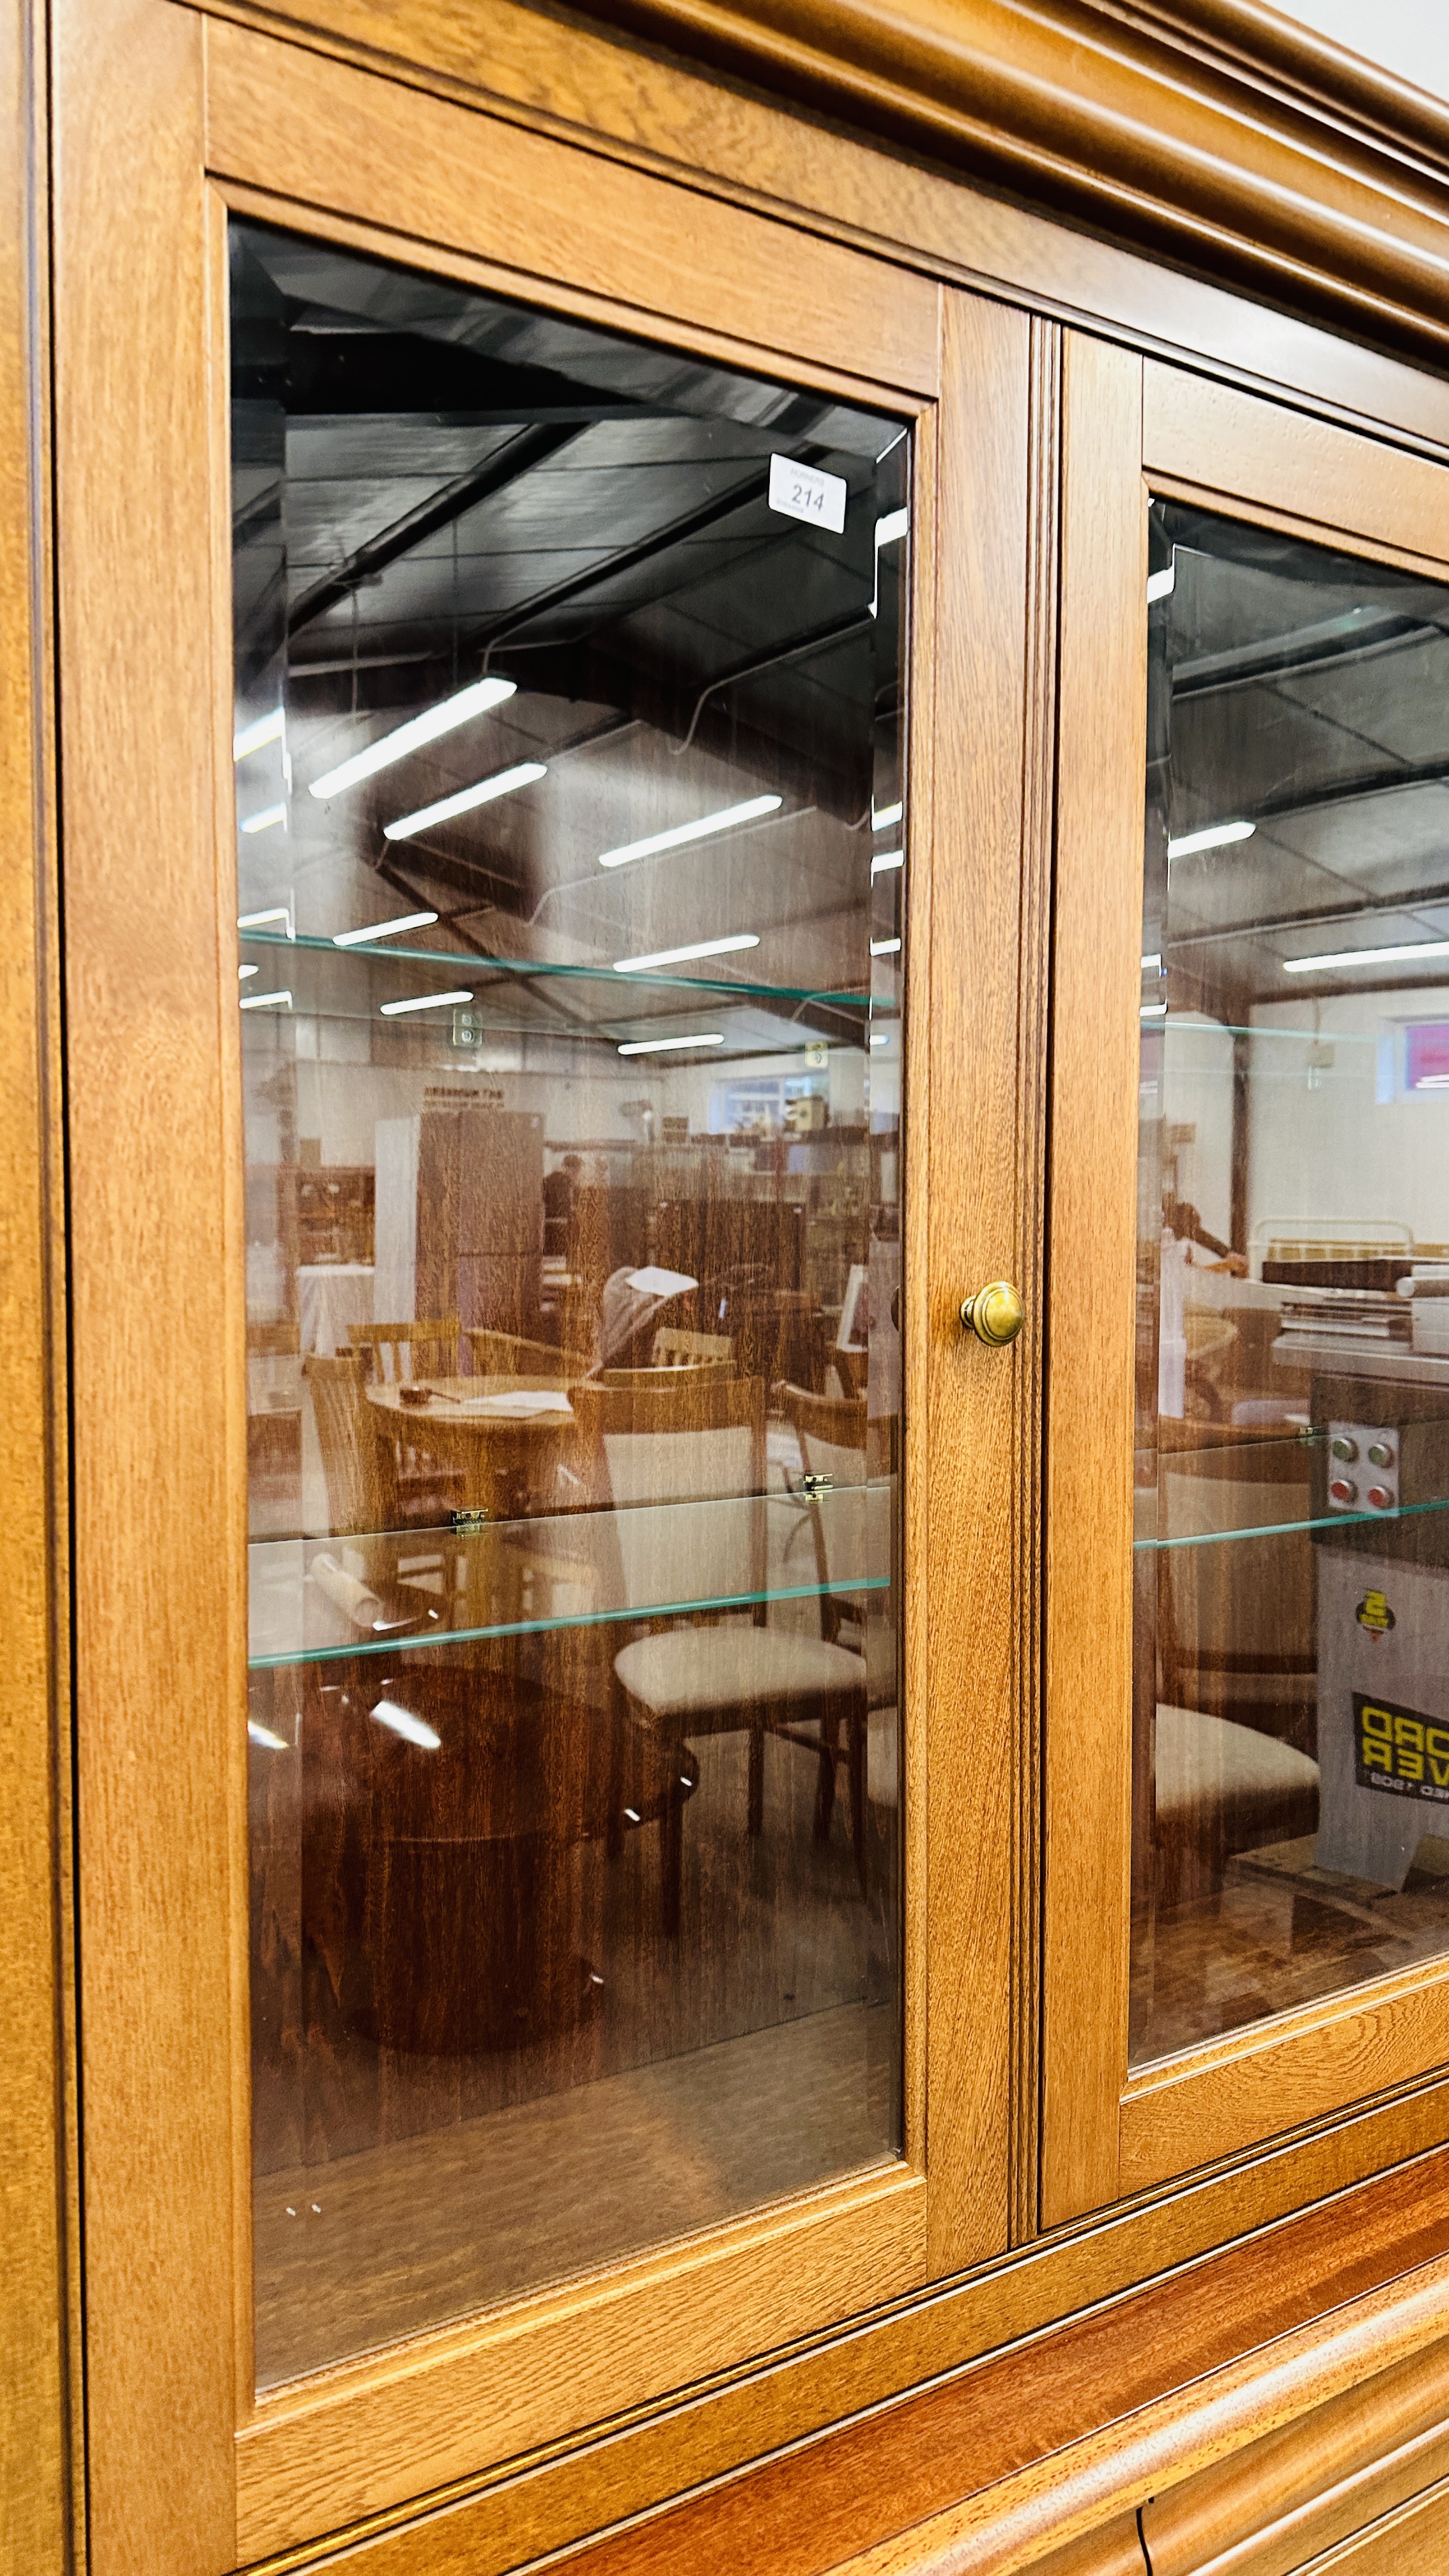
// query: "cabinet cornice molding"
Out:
[1223,133]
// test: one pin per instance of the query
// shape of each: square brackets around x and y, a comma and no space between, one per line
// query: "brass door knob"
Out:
[995,1314]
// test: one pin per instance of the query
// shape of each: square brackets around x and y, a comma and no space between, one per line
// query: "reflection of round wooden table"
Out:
[469,1902]
[505,1435]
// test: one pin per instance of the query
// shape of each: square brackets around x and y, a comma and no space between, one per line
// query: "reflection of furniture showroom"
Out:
[1089,2310]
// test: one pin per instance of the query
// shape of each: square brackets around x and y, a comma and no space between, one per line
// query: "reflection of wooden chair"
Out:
[692,1445]
[831,1431]
[399,1353]
[361,1491]
[676,1347]
[510,1355]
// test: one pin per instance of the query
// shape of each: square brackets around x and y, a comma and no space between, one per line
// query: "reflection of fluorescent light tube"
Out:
[266,1001]
[1431,1082]
[383,929]
[888,859]
[1160,585]
[259,920]
[699,831]
[413,1730]
[441,719]
[265,821]
[879,1038]
[1366,957]
[1152,965]
[682,956]
[252,737]
[882,816]
[1216,837]
[264,1735]
[423,1002]
[663,1046]
[885,947]
[242,972]
[501,784]
[892,527]
[1153,1011]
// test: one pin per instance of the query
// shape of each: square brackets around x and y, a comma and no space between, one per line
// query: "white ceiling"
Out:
[1409,37]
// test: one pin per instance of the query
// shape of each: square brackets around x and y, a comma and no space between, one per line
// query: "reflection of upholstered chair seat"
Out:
[688,1673]
[1223,1788]
[683,1452]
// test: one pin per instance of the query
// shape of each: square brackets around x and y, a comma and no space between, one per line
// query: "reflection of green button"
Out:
[1381,1455]
[1345,1448]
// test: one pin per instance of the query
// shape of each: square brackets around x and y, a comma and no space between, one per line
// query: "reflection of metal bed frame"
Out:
[1326,1239]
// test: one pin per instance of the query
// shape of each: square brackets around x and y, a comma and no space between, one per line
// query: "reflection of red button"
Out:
[1379,1497]
[1342,1490]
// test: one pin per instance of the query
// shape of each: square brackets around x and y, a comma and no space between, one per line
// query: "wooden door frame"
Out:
[163,122]
[1134,427]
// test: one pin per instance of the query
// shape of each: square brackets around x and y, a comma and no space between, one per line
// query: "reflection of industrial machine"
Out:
[1381,1515]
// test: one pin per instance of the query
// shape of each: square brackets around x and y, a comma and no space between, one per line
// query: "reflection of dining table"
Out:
[504,1435]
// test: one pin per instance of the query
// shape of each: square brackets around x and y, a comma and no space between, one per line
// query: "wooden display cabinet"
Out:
[1050,2216]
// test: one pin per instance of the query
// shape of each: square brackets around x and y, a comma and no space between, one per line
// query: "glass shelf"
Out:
[315,1599]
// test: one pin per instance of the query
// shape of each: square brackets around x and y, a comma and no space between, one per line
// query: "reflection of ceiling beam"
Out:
[1358,635]
[1284,802]
[1269,925]
[440,510]
[693,523]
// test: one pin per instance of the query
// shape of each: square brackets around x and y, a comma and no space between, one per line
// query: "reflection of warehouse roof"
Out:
[431,483]
[1308,689]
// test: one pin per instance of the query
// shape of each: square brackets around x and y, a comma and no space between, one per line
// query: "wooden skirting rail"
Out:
[1124,2443]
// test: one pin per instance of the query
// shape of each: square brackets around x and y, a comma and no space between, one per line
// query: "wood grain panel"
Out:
[1004,2391]
[1070,2497]
[1168,128]
[1223,439]
[1093,1210]
[645,107]
[976,1235]
[1190,2112]
[1411,2541]
[1311,2485]
[363,2441]
[158,1707]
[324,134]
[37,2175]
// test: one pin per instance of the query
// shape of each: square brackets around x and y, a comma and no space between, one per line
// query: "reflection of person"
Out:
[1183,1223]
[559,1186]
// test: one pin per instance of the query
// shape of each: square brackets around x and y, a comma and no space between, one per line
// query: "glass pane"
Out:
[1292,1560]
[570,762]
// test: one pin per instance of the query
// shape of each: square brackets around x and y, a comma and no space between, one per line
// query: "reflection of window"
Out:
[1426,1056]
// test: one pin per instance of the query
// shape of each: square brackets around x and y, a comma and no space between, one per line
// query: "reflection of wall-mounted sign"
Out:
[1400,1749]
[467,1026]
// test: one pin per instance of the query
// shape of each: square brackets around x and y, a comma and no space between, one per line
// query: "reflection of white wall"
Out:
[1197,1092]
[1334,1149]
[1410,37]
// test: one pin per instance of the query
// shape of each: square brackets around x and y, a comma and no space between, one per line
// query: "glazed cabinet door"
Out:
[544,715]
[1247,1716]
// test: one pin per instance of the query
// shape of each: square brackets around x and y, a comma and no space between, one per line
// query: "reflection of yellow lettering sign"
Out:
[1400,1749]
[1374,1614]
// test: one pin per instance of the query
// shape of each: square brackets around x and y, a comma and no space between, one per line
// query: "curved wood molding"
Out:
[1218,129]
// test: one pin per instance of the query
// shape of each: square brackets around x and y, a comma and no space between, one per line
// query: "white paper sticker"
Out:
[803,492]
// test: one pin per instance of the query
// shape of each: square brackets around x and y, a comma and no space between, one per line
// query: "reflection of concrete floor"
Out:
[1280,1932]
[403,2237]
[739,2064]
